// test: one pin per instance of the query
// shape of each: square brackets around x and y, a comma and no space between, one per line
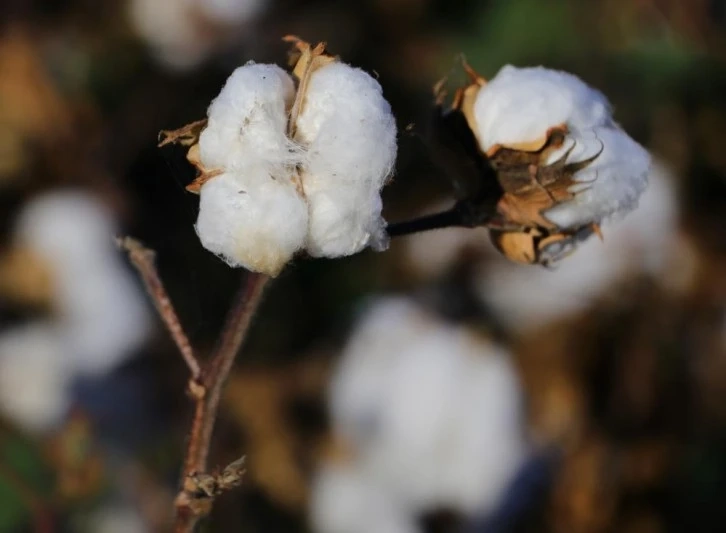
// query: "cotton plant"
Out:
[292,163]
[557,165]
[287,168]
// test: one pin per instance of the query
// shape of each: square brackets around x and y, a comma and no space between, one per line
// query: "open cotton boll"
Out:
[439,408]
[248,121]
[102,313]
[34,376]
[350,134]
[252,219]
[519,105]
[643,242]
[611,184]
[345,500]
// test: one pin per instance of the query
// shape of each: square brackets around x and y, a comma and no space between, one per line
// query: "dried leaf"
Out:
[186,135]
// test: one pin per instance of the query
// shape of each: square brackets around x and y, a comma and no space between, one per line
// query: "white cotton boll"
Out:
[230,11]
[171,30]
[248,121]
[437,410]
[350,134]
[345,500]
[252,219]
[103,314]
[645,241]
[34,376]
[519,105]
[357,389]
[610,184]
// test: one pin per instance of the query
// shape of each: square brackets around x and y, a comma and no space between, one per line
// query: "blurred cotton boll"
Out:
[183,33]
[102,314]
[350,135]
[172,31]
[644,242]
[345,500]
[35,375]
[431,409]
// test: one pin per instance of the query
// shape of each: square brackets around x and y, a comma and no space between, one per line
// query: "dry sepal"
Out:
[287,166]
[563,166]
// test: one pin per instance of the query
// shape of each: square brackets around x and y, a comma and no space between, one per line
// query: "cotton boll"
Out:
[103,316]
[350,134]
[359,385]
[433,412]
[253,219]
[488,431]
[34,376]
[611,184]
[248,121]
[643,242]
[345,500]
[519,105]
[230,11]
[520,109]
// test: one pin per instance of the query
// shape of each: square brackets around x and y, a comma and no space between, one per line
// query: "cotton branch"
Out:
[198,487]
[462,215]
[143,260]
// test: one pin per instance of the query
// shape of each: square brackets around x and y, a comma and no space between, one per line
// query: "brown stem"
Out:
[191,503]
[143,260]
[195,497]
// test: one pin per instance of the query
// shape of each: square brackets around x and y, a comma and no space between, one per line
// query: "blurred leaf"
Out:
[522,31]
[25,481]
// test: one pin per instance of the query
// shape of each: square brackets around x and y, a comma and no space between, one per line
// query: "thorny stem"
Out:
[206,383]
[143,260]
